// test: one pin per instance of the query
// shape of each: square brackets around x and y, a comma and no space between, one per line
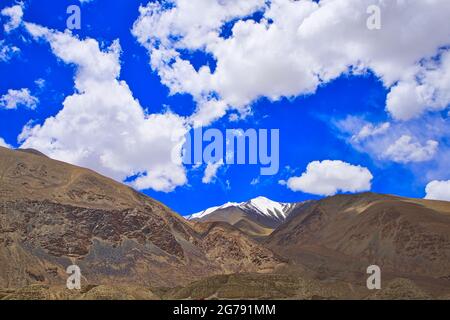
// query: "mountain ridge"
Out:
[262,204]
[54,214]
[344,233]
[256,217]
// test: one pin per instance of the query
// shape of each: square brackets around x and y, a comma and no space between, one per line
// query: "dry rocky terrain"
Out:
[130,246]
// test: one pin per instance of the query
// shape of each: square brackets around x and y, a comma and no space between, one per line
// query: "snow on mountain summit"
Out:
[208,211]
[260,205]
[267,207]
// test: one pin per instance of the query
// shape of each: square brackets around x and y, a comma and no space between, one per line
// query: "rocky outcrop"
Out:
[53,215]
[347,233]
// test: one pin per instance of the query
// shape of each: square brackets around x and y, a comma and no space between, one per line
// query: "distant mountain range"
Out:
[347,231]
[256,217]
[128,245]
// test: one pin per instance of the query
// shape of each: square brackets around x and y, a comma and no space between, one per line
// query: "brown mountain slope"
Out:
[249,224]
[53,215]
[257,217]
[340,236]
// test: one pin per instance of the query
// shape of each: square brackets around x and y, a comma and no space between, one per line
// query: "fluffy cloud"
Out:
[421,144]
[102,126]
[438,190]
[211,171]
[15,14]
[159,23]
[370,130]
[7,51]
[295,47]
[417,140]
[404,150]
[15,98]
[427,89]
[329,177]
[3,143]
[40,83]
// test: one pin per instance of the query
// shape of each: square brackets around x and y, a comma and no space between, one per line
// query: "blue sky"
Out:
[315,125]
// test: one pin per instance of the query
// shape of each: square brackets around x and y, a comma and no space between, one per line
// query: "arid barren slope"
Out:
[344,234]
[130,246]
[53,215]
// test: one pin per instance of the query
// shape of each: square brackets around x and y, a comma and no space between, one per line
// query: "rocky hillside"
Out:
[130,246]
[53,215]
[342,235]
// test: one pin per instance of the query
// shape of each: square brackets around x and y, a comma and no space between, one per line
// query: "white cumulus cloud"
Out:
[405,150]
[4,144]
[16,98]
[438,190]
[7,51]
[329,177]
[418,140]
[427,89]
[102,126]
[295,47]
[14,14]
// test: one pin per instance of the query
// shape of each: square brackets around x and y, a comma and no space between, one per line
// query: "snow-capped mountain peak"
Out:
[208,211]
[267,207]
[260,206]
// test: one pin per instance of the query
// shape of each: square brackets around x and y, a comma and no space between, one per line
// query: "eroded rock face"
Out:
[53,215]
[74,228]
[224,244]
[402,236]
